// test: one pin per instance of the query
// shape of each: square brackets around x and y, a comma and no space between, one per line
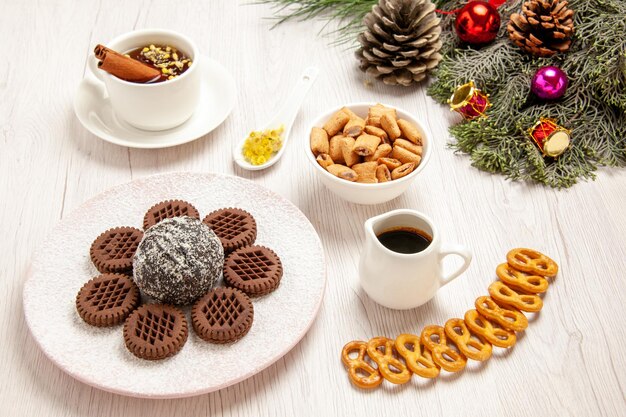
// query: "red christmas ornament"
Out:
[469,101]
[551,139]
[478,22]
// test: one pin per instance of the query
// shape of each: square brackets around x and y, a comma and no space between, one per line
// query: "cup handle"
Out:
[463,252]
[92,63]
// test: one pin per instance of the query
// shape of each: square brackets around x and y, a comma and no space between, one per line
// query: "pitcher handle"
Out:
[451,249]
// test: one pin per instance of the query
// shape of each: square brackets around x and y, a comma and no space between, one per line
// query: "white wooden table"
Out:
[571,359]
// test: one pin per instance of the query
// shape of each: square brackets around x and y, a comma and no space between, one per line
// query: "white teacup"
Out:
[156,106]
[405,280]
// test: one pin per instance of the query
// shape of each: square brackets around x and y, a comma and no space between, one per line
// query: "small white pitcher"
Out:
[402,281]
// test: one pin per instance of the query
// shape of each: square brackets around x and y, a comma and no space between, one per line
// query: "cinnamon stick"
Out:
[123,67]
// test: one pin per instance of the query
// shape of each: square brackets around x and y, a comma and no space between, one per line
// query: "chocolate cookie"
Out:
[255,270]
[223,315]
[167,210]
[236,228]
[114,249]
[107,300]
[155,331]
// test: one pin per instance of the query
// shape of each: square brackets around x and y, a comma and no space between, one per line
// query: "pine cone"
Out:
[543,28]
[401,41]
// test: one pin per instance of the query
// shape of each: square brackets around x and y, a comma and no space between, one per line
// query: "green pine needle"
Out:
[594,107]
[348,13]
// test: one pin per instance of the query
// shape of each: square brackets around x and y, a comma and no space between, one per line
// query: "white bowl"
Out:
[368,193]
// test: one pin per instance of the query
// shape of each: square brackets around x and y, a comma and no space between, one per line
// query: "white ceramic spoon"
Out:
[285,117]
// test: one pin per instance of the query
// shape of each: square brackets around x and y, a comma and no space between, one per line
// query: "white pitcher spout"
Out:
[371,223]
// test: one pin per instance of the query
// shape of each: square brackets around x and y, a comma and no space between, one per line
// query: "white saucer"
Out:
[217,99]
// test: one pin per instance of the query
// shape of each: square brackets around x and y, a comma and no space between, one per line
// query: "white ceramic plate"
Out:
[217,99]
[99,357]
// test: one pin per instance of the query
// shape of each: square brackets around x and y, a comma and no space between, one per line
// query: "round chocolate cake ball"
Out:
[178,260]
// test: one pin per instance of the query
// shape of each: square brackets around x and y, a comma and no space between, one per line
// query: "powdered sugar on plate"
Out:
[98,356]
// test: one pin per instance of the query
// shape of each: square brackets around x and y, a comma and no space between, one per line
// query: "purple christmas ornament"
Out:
[549,83]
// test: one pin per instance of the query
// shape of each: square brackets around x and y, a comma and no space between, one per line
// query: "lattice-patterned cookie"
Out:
[167,210]
[113,250]
[255,270]
[223,315]
[107,300]
[236,228]
[155,331]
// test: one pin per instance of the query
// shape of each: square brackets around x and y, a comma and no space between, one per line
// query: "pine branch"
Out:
[348,13]
[594,107]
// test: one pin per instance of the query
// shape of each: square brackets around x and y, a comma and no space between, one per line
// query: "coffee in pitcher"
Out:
[405,239]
